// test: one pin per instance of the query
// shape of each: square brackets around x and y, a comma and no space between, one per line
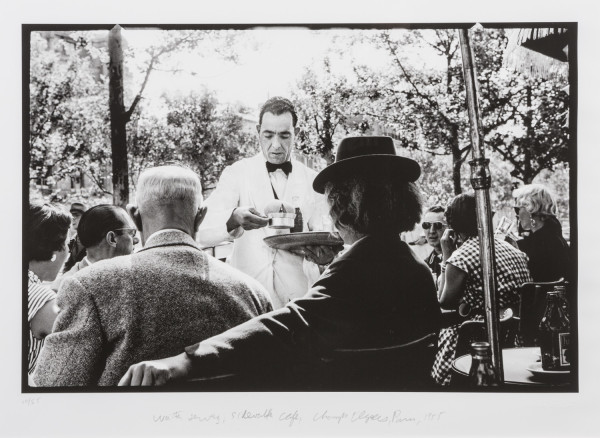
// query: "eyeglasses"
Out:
[130,231]
[436,225]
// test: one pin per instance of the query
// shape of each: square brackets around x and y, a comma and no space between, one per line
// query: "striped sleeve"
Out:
[37,296]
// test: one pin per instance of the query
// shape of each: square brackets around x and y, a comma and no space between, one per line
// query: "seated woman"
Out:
[461,281]
[46,231]
[377,294]
[545,246]
[547,250]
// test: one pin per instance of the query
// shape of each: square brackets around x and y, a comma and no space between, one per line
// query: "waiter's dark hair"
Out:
[277,106]
[46,228]
[374,203]
[97,221]
[461,214]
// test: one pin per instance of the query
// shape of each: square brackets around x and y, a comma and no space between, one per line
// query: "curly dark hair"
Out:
[277,106]
[461,214]
[374,203]
[46,228]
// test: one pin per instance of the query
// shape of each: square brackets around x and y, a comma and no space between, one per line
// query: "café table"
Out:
[515,362]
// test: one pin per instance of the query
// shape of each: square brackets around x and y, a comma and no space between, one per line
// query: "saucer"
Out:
[537,370]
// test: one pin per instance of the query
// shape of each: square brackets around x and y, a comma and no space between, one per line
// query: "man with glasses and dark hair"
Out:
[105,231]
[434,224]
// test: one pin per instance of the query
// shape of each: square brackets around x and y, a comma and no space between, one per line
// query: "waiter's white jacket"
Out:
[246,183]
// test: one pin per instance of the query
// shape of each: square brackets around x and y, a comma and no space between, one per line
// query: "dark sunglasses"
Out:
[436,225]
[130,231]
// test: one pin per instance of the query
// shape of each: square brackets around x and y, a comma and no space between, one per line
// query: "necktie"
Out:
[286,167]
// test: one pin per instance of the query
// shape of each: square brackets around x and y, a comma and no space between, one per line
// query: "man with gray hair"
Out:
[151,303]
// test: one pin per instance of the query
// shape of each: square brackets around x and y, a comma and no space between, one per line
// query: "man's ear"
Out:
[111,239]
[199,218]
[258,129]
[296,131]
[134,213]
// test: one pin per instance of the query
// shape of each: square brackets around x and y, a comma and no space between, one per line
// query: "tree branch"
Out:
[138,97]
[97,182]
[431,102]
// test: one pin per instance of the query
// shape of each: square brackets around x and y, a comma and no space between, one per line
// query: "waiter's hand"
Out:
[319,254]
[248,218]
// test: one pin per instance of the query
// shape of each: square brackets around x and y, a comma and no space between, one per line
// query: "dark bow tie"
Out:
[286,167]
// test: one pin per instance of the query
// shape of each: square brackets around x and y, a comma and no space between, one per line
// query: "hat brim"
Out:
[402,167]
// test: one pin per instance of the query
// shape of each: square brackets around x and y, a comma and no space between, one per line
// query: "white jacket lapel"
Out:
[259,189]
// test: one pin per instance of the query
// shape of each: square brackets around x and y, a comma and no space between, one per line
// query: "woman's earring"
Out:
[53,259]
[532,223]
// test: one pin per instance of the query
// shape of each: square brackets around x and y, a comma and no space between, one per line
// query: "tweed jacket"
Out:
[246,183]
[83,263]
[143,306]
[377,294]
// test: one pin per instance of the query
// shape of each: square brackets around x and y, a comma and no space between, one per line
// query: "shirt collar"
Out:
[165,230]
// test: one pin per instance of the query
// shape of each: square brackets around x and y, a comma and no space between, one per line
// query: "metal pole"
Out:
[481,182]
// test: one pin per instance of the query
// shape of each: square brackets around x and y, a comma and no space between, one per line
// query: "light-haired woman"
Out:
[547,249]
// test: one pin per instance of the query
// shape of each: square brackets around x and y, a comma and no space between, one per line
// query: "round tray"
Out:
[293,240]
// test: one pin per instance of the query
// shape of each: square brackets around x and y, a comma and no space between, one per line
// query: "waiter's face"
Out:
[276,137]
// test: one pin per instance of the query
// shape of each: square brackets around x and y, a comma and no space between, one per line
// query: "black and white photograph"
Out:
[252,224]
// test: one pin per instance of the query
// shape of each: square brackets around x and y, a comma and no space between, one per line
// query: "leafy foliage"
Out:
[194,132]
[324,103]
[69,116]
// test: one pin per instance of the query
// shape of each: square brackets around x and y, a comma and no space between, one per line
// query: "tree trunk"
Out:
[528,122]
[455,146]
[118,134]
[456,160]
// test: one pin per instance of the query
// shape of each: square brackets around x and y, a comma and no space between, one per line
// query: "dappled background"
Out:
[192,96]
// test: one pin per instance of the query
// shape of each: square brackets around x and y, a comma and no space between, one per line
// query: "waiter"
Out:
[236,208]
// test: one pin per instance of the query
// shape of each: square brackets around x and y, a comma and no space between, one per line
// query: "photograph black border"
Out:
[26,30]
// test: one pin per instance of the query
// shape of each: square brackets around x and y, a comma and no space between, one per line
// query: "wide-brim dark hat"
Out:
[372,155]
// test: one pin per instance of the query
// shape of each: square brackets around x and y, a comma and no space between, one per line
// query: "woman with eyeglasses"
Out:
[544,244]
[105,231]
[461,279]
[46,234]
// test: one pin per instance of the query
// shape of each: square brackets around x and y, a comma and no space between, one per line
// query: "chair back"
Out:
[532,304]
[393,368]
[475,331]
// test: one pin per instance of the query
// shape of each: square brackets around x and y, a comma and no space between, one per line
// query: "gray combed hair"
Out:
[163,186]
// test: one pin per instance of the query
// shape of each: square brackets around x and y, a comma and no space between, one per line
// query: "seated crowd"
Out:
[169,312]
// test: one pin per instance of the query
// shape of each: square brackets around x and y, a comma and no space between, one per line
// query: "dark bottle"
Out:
[562,296]
[298,222]
[482,371]
[554,333]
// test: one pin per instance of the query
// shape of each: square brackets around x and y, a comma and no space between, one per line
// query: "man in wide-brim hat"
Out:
[377,294]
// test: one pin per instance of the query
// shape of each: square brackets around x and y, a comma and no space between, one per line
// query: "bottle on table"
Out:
[298,222]
[482,371]
[555,332]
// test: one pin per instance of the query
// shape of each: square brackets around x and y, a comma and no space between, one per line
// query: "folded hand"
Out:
[157,372]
